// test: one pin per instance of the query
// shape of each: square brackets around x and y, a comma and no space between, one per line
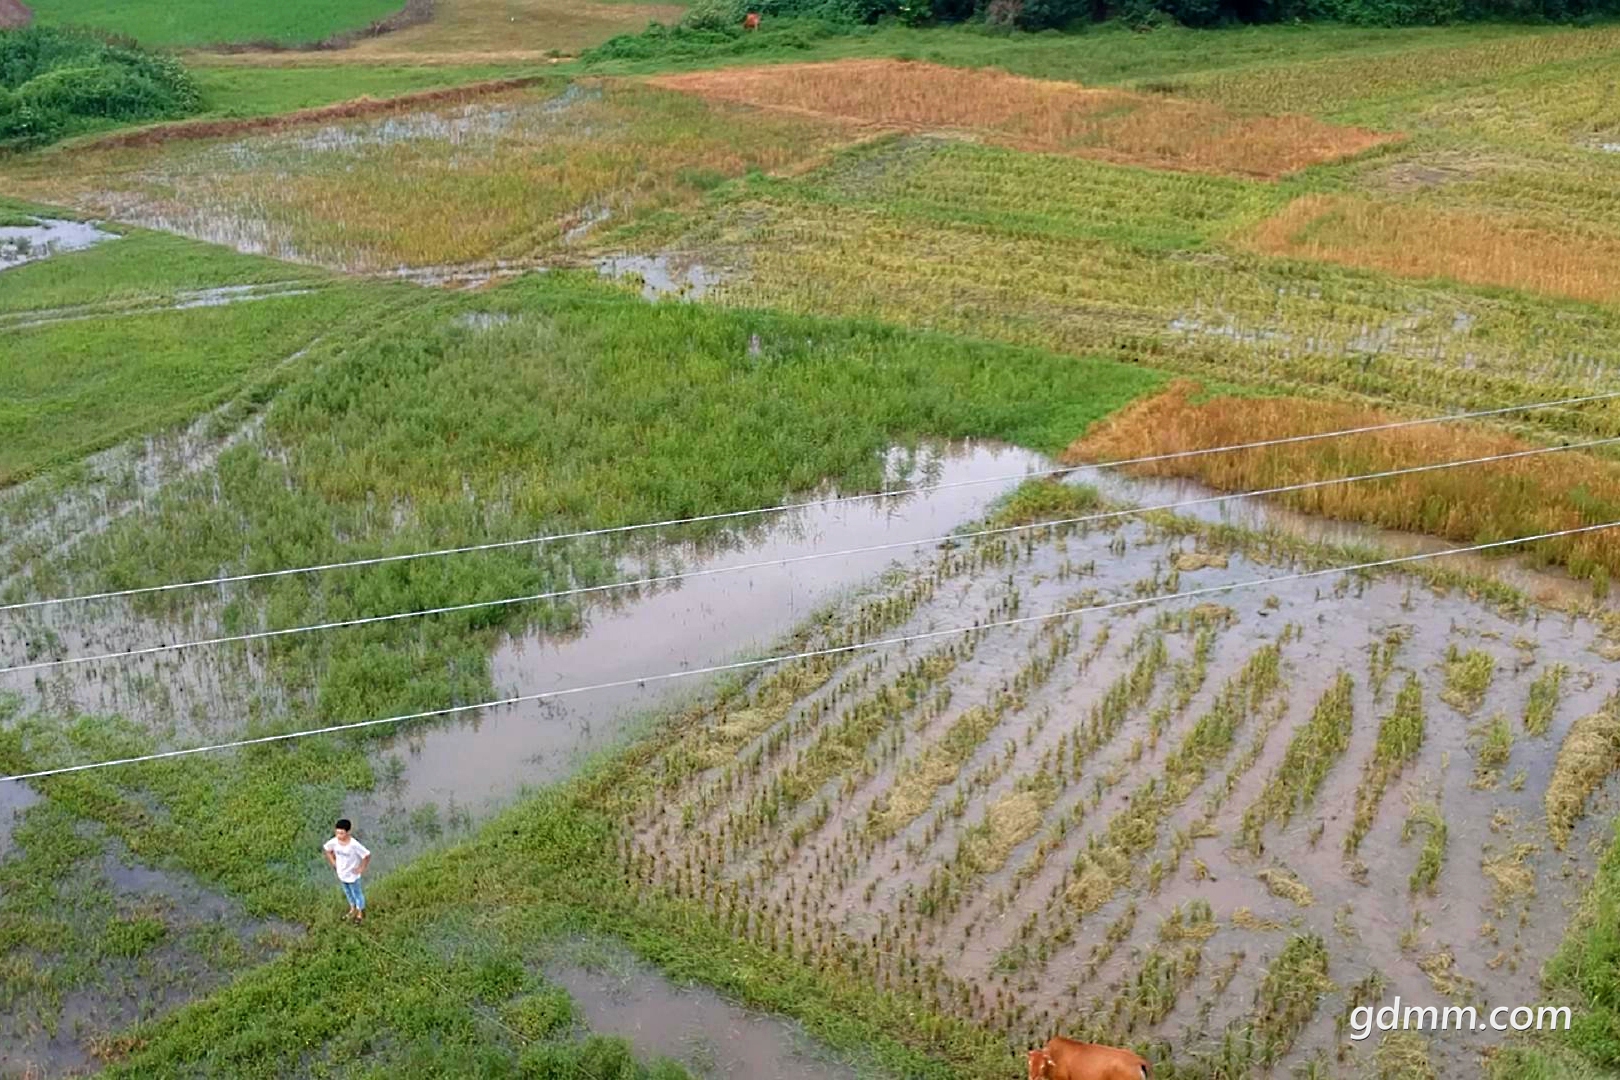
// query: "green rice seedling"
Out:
[1193,921]
[1494,745]
[1289,995]
[1589,755]
[1035,501]
[1105,865]
[1367,991]
[1312,751]
[938,765]
[1427,817]
[1382,657]
[1400,736]
[1156,984]
[1468,676]
[1543,701]
[1219,792]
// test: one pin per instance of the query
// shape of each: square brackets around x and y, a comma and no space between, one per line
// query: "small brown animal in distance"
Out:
[1065,1059]
[751,21]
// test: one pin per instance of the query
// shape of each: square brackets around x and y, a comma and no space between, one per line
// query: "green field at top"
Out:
[200,23]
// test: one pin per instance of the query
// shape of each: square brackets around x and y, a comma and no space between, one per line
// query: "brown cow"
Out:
[1065,1059]
[751,21]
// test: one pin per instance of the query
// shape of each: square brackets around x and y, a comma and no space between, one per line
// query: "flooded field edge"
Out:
[618,993]
[633,718]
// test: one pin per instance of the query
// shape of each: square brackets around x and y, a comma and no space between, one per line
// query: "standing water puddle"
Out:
[701,622]
[15,797]
[662,275]
[712,1037]
[21,244]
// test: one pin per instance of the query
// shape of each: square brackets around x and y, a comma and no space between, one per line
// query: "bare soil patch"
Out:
[1036,114]
[14,13]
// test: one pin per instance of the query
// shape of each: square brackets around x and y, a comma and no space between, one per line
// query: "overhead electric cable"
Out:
[663,579]
[782,507]
[743,665]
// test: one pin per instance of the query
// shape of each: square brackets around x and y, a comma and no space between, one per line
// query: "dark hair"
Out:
[344,824]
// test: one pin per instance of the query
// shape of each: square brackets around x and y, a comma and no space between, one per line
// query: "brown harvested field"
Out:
[1422,241]
[1037,114]
[1479,503]
[15,13]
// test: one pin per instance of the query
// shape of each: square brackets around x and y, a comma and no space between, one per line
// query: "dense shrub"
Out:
[54,82]
[715,26]
[713,35]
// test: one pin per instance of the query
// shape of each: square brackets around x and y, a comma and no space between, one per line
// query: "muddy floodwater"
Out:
[197,940]
[1069,800]
[14,799]
[662,275]
[713,1038]
[1097,824]
[698,622]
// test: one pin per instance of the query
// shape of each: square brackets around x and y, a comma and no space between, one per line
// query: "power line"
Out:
[731,515]
[1307,485]
[742,665]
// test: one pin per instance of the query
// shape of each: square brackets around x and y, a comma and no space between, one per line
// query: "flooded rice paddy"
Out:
[673,274]
[699,622]
[1083,824]
[253,193]
[1091,824]
[549,171]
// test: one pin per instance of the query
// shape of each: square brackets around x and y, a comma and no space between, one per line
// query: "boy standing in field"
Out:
[349,857]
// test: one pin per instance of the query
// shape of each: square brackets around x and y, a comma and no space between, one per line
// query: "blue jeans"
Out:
[351,889]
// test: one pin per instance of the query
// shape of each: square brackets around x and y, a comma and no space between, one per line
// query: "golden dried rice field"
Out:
[1428,242]
[1034,114]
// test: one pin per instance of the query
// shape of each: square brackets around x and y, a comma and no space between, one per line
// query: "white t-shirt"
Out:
[348,857]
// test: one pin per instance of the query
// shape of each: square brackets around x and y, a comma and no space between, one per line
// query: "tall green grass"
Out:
[74,386]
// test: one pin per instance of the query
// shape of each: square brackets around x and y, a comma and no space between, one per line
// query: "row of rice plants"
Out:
[1487,502]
